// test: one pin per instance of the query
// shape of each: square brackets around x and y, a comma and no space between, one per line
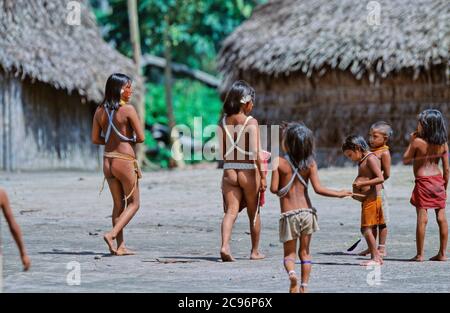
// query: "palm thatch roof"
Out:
[37,42]
[313,36]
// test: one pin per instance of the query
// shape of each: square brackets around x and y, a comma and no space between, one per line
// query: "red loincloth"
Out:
[429,192]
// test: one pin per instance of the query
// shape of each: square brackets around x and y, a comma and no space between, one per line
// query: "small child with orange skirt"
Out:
[379,135]
[367,190]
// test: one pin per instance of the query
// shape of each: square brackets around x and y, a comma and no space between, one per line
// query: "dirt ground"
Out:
[177,236]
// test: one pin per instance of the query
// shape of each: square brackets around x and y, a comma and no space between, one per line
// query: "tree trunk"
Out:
[176,160]
[137,55]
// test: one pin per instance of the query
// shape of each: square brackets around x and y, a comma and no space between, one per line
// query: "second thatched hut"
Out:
[340,65]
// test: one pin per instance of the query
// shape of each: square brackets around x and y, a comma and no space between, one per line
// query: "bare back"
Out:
[243,148]
[297,197]
[122,120]
[427,156]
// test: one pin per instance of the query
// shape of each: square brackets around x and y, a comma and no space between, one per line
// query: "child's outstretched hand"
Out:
[26,262]
[345,193]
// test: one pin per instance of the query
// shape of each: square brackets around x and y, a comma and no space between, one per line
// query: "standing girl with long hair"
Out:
[243,176]
[427,147]
[117,126]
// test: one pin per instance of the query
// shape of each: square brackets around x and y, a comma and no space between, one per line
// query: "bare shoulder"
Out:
[282,164]
[312,168]
[370,161]
[252,126]
[420,145]
[386,154]
[253,121]
[419,142]
[98,110]
[373,160]
[276,159]
[313,165]
[129,109]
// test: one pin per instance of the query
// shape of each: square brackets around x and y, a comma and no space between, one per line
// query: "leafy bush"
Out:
[190,99]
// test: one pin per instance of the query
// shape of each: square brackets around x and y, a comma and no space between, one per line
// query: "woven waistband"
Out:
[297,211]
[118,155]
[239,166]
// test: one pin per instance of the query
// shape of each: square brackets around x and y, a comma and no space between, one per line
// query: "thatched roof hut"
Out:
[338,65]
[52,75]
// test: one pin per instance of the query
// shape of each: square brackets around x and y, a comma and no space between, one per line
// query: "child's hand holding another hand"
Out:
[345,193]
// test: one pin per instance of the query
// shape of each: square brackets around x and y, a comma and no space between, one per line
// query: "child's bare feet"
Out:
[293,288]
[417,258]
[257,256]
[377,261]
[226,256]
[122,251]
[439,257]
[382,252]
[303,288]
[26,262]
[364,253]
[110,242]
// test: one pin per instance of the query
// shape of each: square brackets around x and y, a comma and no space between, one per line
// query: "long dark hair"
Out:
[299,143]
[434,128]
[114,85]
[355,143]
[237,92]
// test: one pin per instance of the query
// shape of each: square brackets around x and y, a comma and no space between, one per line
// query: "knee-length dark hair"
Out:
[237,92]
[434,128]
[114,85]
[299,143]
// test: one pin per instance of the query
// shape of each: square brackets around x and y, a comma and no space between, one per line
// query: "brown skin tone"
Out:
[119,174]
[370,172]
[297,197]
[15,229]
[378,139]
[425,159]
[242,184]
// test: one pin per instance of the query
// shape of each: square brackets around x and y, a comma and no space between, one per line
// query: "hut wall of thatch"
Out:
[325,62]
[43,128]
[336,105]
[52,75]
